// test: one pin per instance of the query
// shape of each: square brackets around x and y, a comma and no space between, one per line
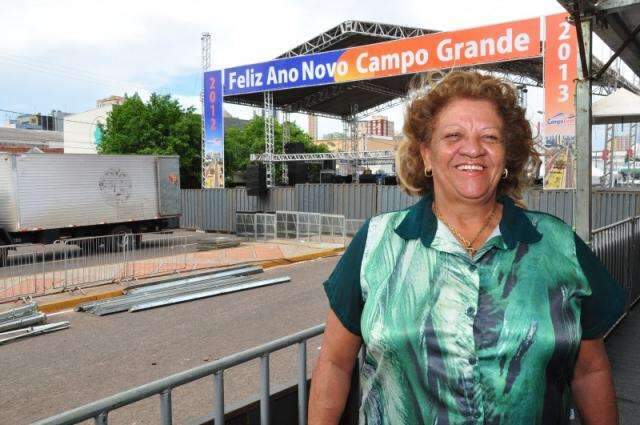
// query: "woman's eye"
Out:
[492,138]
[452,135]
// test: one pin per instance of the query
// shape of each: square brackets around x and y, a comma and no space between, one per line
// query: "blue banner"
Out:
[213,131]
[299,71]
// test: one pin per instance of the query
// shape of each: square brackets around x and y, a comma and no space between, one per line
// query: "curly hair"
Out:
[422,113]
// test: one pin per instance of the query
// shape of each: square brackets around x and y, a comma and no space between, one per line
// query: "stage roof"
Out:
[335,99]
[615,22]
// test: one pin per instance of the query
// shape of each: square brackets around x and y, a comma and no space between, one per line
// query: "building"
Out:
[52,122]
[82,132]
[19,140]
[376,126]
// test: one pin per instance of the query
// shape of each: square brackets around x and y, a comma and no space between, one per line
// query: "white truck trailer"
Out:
[45,197]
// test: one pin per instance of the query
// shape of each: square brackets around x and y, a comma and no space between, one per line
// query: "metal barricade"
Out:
[73,263]
[311,227]
[618,247]
[352,226]
[159,253]
[99,410]
[97,259]
[265,228]
[246,225]
[30,269]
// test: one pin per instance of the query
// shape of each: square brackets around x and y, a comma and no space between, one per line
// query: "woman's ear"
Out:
[425,153]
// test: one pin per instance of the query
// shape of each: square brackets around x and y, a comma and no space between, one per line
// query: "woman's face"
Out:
[466,152]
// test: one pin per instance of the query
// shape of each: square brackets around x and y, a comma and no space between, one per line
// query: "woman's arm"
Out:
[332,376]
[592,385]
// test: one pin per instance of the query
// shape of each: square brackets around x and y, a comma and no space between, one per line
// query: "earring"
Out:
[505,174]
[428,172]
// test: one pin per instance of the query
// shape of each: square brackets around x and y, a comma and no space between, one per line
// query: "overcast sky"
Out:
[65,54]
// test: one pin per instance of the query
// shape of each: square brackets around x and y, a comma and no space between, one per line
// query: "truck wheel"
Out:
[121,239]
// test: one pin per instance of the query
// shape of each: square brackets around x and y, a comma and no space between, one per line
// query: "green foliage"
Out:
[239,143]
[160,126]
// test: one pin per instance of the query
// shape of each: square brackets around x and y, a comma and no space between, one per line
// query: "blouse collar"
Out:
[421,222]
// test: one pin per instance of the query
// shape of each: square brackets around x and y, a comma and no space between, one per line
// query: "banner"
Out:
[560,72]
[494,43]
[213,131]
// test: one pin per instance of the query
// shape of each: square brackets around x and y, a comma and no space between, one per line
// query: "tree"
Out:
[160,126]
[240,143]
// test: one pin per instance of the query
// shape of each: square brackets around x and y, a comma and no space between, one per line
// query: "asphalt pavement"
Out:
[100,356]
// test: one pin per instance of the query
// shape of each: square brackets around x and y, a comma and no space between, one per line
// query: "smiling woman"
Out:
[498,97]
[471,308]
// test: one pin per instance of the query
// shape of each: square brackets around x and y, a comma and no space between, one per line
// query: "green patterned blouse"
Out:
[452,339]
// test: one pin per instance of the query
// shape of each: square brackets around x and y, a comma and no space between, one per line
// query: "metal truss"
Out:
[361,156]
[607,177]
[380,108]
[515,79]
[338,33]
[353,135]
[345,135]
[268,135]
[322,95]
[378,89]
[205,55]
[610,80]
[286,138]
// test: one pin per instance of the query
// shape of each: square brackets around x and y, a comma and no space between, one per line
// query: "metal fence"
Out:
[618,247]
[29,270]
[352,226]
[311,227]
[215,209]
[99,410]
[301,226]
[79,262]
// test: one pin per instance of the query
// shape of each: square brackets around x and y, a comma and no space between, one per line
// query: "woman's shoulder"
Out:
[392,219]
[546,220]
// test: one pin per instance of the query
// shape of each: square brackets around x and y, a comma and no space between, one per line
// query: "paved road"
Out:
[99,356]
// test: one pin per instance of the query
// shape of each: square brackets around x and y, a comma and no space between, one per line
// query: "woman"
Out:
[471,309]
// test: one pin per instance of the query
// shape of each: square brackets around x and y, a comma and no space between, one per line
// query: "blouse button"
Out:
[472,268]
[471,311]
[472,361]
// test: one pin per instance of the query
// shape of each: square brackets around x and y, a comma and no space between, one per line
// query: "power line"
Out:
[66,72]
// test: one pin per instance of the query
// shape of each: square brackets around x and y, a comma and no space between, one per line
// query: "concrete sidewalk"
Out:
[267,254]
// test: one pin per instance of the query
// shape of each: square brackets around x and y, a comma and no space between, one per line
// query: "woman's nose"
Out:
[471,146]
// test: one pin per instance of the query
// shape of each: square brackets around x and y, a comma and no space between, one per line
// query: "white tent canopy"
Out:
[618,108]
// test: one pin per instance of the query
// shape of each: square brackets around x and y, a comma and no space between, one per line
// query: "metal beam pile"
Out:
[19,323]
[182,290]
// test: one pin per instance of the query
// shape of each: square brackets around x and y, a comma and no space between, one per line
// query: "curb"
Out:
[55,306]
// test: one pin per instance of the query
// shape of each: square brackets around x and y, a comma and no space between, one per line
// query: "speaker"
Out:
[297,172]
[256,180]
[296,147]
[390,180]
[328,164]
[368,178]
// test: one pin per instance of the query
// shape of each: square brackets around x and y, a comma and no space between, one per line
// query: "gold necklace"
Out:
[466,244]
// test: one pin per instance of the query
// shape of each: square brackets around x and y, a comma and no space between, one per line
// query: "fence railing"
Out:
[302,226]
[99,410]
[618,247]
[30,269]
[79,262]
